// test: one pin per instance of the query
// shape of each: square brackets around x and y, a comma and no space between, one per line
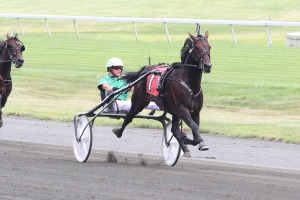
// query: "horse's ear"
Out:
[7,36]
[206,34]
[192,37]
[16,35]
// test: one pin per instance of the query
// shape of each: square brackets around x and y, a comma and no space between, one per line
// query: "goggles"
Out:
[116,68]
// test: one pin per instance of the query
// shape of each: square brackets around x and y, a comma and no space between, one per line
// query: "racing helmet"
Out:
[113,62]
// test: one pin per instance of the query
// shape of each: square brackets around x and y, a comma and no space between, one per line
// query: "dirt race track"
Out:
[37,162]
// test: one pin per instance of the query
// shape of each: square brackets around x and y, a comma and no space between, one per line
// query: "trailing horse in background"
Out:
[11,52]
[180,95]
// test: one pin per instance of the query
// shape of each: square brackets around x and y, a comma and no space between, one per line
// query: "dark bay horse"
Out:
[181,94]
[11,52]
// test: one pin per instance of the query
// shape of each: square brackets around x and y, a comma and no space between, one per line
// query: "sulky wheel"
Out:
[170,146]
[82,141]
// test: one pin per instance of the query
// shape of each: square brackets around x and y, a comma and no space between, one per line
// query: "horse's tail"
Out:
[132,76]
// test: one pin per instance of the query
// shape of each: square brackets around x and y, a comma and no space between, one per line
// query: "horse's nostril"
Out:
[207,65]
[20,60]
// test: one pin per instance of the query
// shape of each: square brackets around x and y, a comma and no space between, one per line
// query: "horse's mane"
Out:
[185,49]
[132,76]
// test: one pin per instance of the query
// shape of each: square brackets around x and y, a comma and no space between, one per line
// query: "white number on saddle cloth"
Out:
[153,80]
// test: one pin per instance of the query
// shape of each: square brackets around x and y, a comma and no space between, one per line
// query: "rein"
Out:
[187,65]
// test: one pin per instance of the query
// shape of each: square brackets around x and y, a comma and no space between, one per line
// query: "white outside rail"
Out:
[153,20]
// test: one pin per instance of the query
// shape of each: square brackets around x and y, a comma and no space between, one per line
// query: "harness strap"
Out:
[160,87]
[193,97]
[186,87]
[3,84]
[162,81]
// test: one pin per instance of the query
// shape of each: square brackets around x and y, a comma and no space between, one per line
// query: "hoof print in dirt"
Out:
[111,158]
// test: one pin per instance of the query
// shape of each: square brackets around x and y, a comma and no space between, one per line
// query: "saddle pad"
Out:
[153,80]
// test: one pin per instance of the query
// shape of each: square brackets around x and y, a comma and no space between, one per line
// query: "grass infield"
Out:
[252,91]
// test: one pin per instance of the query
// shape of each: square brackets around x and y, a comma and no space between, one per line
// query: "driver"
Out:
[112,82]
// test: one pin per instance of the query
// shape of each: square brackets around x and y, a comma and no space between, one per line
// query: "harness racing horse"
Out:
[11,52]
[181,94]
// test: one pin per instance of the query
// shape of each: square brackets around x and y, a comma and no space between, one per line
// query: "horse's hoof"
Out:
[187,154]
[1,122]
[203,147]
[187,141]
[117,132]
[196,141]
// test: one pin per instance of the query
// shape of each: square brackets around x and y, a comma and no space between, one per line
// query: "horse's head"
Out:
[200,50]
[15,48]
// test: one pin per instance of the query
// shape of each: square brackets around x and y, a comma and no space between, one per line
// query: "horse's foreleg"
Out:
[202,145]
[186,117]
[176,132]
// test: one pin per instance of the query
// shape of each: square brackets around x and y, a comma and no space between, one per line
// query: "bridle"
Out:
[13,55]
[199,65]
[198,57]
[12,58]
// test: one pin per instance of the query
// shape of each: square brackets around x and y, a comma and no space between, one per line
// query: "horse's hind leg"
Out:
[138,106]
[176,132]
[128,119]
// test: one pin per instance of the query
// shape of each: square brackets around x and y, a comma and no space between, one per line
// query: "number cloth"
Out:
[152,81]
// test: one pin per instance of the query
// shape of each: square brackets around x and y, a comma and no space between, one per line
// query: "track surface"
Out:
[37,162]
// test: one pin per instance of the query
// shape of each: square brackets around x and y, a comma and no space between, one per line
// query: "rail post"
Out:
[19,22]
[269,36]
[167,32]
[76,29]
[232,33]
[47,26]
[135,32]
